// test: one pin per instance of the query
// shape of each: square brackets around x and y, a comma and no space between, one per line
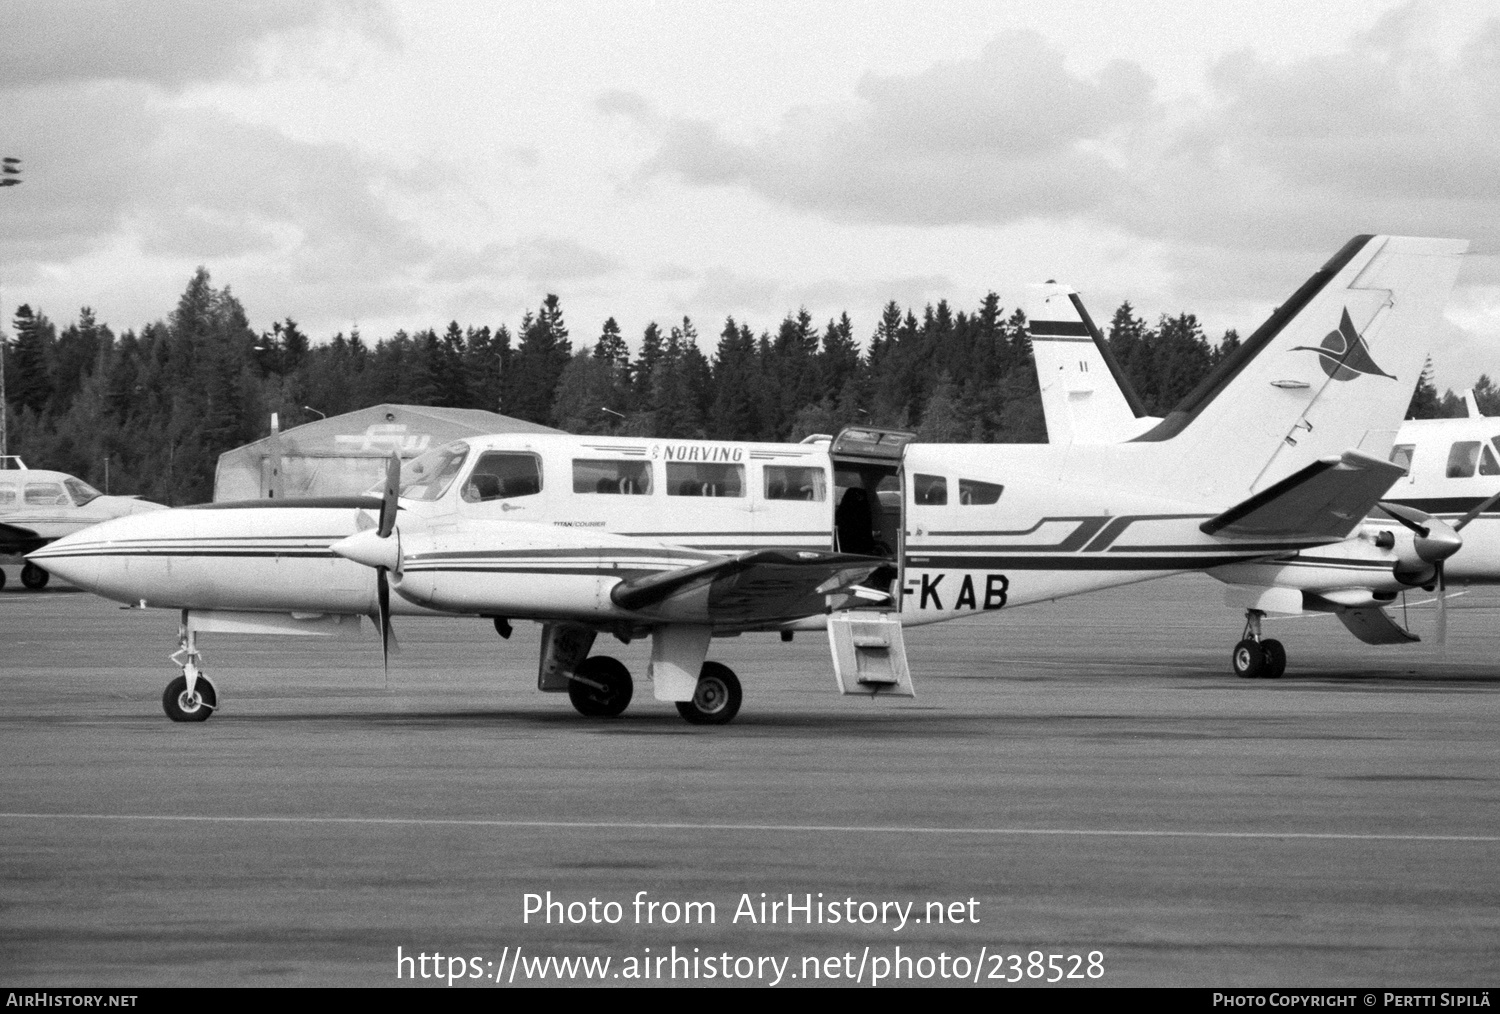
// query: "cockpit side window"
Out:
[428,477]
[82,491]
[7,496]
[501,475]
[1402,454]
[1462,457]
[1487,462]
[46,494]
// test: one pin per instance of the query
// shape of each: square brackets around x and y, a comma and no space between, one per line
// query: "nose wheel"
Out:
[717,698]
[1256,656]
[184,705]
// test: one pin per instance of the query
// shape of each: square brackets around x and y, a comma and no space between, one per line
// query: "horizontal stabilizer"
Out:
[759,586]
[1325,500]
[1373,625]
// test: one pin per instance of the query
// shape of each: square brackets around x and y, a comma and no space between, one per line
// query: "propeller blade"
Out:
[383,599]
[1486,505]
[1442,608]
[388,497]
[1408,518]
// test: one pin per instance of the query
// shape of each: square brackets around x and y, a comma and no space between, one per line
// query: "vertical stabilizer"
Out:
[1086,397]
[1332,370]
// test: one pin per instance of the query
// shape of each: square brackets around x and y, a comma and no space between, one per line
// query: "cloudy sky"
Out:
[393,165]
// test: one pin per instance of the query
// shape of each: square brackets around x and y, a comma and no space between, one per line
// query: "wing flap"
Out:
[764,585]
[1325,500]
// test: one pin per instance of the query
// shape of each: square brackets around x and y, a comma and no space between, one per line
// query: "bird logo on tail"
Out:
[1344,354]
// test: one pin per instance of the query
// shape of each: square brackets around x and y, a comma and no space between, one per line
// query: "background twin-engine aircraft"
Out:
[1451,486]
[37,506]
[682,541]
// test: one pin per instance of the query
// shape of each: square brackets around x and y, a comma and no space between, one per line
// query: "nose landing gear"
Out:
[190,697]
[1257,656]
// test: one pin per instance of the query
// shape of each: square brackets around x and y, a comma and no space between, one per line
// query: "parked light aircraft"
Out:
[38,506]
[683,540]
[1452,475]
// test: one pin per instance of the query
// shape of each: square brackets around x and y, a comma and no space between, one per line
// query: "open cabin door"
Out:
[869,656]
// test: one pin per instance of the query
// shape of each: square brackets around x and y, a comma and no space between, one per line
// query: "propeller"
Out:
[1433,542]
[375,548]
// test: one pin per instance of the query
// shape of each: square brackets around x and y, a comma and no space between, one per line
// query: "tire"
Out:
[608,702]
[717,699]
[2,577]
[34,577]
[1247,659]
[179,709]
[1275,658]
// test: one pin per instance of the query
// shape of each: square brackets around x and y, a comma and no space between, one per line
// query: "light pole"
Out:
[10,176]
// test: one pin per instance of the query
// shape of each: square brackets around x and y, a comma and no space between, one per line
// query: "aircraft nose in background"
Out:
[65,559]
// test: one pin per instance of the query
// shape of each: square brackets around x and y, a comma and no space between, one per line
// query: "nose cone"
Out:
[368,548]
[1440,542]
[68,558]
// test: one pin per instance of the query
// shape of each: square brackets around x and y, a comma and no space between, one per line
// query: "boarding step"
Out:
[869,653]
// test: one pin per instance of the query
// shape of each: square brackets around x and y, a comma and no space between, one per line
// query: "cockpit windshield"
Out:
[428,477]
[82,491]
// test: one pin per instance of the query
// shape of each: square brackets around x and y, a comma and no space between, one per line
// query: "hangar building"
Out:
[345,454]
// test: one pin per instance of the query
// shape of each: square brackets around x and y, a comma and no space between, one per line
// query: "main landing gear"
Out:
[1257,656]
[601,687]
[190,697]
[34,577]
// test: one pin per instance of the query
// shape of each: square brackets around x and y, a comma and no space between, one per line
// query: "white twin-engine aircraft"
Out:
[1452,474]
[685,540]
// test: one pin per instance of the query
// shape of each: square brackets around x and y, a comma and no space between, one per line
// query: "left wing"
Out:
[761,586]
[15,540]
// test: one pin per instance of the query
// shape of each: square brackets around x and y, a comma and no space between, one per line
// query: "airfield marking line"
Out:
[604,825]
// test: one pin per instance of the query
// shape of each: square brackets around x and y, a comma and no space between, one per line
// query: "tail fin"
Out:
[1086,396]
[1333,369]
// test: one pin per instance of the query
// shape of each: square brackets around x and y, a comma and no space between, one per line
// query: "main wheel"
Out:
[1275,658]
[34,577]
[2,577]
[1248,659]
[613,694]
[182,707]
[717,699]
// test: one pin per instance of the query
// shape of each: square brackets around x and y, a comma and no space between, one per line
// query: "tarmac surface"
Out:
[1084,779]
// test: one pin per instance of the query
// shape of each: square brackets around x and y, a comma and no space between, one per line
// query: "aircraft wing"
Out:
[761,586]
[1327,500]
[14,540]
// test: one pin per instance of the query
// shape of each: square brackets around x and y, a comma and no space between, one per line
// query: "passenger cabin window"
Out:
[1462,457]
[788,483]
[7,496]
[1401,455]
[1487,462]
[972,492]
[702,478]
[627,478]
[929,489]
[47,494]
[500,475]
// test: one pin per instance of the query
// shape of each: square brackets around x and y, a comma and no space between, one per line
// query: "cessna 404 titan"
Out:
[1446,501]
[681,541]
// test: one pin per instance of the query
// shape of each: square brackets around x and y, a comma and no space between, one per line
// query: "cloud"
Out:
[1398,130]
[168,43]
[1009,135]
[543,260]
